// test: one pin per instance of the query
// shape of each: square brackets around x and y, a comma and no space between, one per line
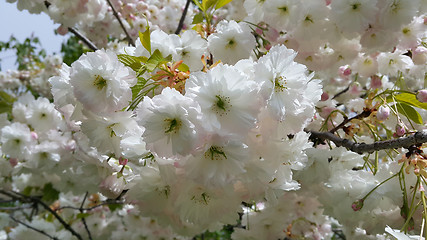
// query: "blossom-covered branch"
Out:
[405,142]
[24,198]
[128,37]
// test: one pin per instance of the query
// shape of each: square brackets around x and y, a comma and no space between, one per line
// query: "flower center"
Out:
[280,84]
[202,198]
[99,82]
[172,125]
[215,153]
[222,105]
[356,6]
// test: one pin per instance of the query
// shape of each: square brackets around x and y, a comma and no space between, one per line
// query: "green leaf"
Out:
[138,87]
[136,63]
[145,39]
[50,194]
[115,206]
[198,18]
[208,4]
[409,98]
[198,5]
[183,67]
[156,59]
[409,112]
[222,3]
[82,215]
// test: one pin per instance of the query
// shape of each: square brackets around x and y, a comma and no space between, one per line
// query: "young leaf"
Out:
[208,3]
[145,39]
[131,61]
[411,99]
[138,87]
[222,3]
[50,194]
[409,112]
[198,18]
[6,102]
[199,5]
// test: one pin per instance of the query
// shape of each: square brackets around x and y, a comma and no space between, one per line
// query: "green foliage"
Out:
[409,112]
[223,234]
[145,39]
[72,50]
[6,102]
[410,99]
[27,55]
[50,194]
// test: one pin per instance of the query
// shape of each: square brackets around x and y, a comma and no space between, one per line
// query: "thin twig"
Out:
[364,114]
[181,21]
[128,37]
[25,198]
[90,44]
[33,228]
[405,142]
[83,219]
[91,208]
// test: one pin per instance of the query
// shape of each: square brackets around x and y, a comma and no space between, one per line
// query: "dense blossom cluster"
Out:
[211,127]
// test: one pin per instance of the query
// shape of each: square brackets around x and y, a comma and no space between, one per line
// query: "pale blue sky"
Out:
[22,25]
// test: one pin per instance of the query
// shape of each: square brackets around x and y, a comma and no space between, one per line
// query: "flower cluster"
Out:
[237,120]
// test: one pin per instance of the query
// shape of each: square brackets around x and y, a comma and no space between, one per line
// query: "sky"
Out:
[22,25]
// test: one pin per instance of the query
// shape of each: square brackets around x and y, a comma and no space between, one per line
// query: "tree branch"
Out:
[24,198]
[83,219]
[405,142]
[128,37]
[83,38]
[33,228]
[366,113]
[181,21]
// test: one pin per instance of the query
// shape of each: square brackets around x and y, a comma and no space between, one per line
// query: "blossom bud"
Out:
[62,30]
[34,136]
[324,97]
[400,130]
[357,205]
[13,162]
[419,55]
[376,82]
[123,161]
[112,186]
[422,95]
[344,71]
[383,113]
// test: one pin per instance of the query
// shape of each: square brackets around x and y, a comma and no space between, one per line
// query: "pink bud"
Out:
[344,71]
[34,136]
[324,97]
[422,95]
[400,129]
[376,82]
[13,162]
[259,31]
[383,113]
[357,205]
[62,30]
[123,161]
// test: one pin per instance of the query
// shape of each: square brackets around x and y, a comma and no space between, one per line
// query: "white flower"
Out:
[393,63]
[281,14]
[101,83]
[172,123]
[62,90]
[106,132]
[43,116]
[16,140]
[285,84]
[231,42]
[395,13]
[218,163]
[353,15]
[227,97]
[191,50]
